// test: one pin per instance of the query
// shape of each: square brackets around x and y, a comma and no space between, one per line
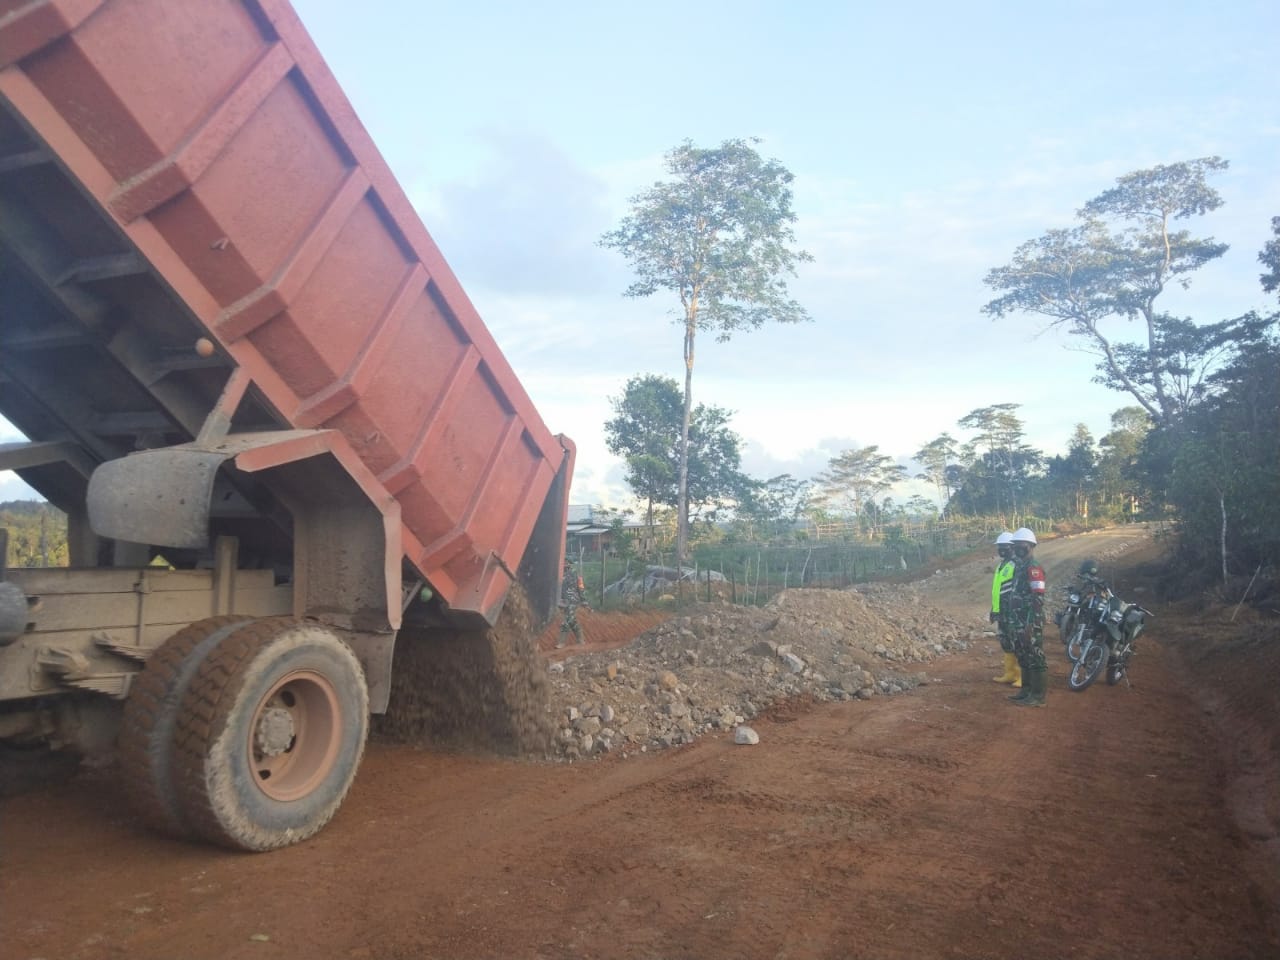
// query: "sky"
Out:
[928,140]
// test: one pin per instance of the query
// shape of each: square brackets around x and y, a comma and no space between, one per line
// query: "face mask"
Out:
[1021,550]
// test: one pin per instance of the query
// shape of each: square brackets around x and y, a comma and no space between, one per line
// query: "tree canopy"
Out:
[775,504]
[1270,258]
[936,456]
[645,432]
[1114,265]
[718,235]
[856,476]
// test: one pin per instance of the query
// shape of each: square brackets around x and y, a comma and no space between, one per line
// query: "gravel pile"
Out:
[711,671]
[719,668]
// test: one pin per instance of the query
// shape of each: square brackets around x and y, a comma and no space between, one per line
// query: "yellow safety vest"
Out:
[1001,583]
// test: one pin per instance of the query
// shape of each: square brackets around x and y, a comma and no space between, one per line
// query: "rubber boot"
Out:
[1017,675]
[1010,670]
[1025,690]
[1037,681]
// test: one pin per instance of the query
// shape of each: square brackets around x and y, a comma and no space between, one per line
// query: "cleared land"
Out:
[941,822]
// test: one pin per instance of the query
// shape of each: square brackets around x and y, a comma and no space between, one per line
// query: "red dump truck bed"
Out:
[215,138]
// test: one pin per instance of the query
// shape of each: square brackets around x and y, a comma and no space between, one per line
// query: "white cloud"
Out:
[12,488]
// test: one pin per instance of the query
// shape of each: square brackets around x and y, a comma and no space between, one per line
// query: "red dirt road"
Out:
[1121,822]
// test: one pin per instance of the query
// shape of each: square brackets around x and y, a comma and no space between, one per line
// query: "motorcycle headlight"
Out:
[1116,616]
[1074,598]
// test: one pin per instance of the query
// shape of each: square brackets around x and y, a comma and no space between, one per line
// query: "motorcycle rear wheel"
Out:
[1118,667]
[1086,670]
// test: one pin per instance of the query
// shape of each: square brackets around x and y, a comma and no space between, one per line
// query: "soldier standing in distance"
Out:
[1026,614]
[1001,585]
[573,594]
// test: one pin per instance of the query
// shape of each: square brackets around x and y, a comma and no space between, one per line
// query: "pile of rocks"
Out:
[718,669]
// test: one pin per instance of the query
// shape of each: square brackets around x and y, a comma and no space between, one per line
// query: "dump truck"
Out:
[285,442]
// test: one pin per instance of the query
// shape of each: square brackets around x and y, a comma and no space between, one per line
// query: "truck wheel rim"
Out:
[295,735]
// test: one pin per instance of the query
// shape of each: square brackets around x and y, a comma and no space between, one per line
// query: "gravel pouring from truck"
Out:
[232,344]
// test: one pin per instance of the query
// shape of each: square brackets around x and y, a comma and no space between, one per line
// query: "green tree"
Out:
[715,478]
[718,235]
[1071,477]
[644,426]
[918,506]
[1115,264]
[1219,467]
[775,505]
[998,465]
[1224,482]
[646,432]
[1120,477]
[622,542]
[1270,258]
[1003,462]
[856,476]
[935,456]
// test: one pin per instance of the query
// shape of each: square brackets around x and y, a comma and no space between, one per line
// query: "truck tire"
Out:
[270,735]
[150,717]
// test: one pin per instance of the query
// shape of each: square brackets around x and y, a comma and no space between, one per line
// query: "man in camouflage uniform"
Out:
[573,594]
[1026,616]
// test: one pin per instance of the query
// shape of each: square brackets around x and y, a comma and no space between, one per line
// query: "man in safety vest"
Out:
[1026,617]
[1001,584]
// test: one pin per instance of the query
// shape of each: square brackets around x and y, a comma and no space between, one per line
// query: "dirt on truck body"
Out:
[941,822]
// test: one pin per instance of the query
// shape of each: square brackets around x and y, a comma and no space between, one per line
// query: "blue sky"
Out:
[927,140]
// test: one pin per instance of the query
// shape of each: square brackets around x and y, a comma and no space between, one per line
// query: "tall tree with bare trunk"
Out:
[719,235]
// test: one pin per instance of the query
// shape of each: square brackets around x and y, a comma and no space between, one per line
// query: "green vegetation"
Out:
[37,534]
[645,432]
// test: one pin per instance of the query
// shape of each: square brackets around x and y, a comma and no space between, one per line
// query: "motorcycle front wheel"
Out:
[1067,626]
[1092,659]
[1075,643]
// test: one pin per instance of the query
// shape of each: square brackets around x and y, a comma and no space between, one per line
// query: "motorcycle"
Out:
[1108,641]
[1082,609]
[1066,617]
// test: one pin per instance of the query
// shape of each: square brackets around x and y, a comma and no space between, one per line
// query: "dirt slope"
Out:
[941,822]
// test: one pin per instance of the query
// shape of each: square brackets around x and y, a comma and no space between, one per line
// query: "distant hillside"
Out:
[22,507]
[37,534]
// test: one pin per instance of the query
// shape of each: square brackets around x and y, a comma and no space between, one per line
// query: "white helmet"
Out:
[1023,535]
[1004,538]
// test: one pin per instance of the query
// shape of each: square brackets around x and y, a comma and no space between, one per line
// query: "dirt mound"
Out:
[719,668]
[471,689]
[646,680]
